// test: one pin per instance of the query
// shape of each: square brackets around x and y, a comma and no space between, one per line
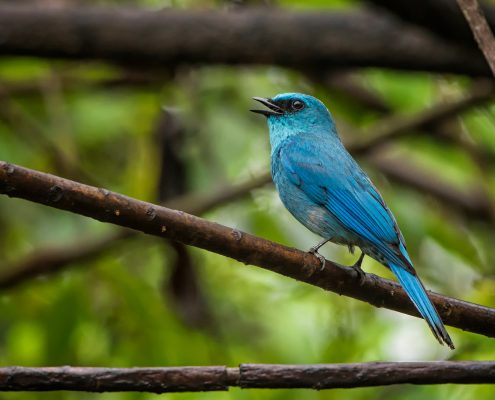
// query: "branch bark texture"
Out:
[50,260]
[16,181]
[318,40]
[246,376]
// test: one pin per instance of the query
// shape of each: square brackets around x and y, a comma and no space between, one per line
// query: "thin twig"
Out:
[394,127]
[50,260]
[473,203]
[246,376]
[481,30]
[105,206]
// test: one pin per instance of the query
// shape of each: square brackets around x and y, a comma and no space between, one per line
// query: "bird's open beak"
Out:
[273,108]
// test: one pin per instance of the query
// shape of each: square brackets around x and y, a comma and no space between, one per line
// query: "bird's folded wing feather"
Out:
[333,180]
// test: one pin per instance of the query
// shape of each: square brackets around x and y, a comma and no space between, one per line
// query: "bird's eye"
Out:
[297,105]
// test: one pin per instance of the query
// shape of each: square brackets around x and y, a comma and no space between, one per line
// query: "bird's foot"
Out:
[360,274]
[314,251]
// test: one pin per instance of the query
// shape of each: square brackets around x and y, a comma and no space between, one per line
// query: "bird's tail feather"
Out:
[417,293]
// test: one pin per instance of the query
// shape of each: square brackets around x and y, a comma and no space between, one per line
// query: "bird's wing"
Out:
[332,179]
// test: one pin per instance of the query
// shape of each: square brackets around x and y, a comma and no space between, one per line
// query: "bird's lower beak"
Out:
[273,108]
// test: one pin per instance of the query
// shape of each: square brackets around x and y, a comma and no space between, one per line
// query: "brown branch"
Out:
[105,206]
[326,40]
[51,260]
[481,31]
[246,376]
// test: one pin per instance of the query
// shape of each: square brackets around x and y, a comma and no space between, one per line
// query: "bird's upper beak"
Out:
[273,108]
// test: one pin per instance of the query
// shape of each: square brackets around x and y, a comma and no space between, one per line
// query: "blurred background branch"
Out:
[332,40]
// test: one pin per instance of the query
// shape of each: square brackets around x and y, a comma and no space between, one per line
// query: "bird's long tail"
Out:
[417,293]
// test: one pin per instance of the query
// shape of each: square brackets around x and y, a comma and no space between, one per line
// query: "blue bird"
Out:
[325,189]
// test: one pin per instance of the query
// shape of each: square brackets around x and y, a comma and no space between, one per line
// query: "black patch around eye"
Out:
[288,105]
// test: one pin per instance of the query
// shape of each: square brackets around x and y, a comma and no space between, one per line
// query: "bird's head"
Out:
[291,113]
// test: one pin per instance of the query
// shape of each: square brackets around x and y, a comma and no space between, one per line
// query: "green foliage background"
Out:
[112,310]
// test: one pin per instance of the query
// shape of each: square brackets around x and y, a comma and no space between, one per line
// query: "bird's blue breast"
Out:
[311,214]
[324,188]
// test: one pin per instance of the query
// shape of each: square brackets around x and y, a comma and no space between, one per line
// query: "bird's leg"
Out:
[357,267]
[314,250]
[358,263]
[317,247]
